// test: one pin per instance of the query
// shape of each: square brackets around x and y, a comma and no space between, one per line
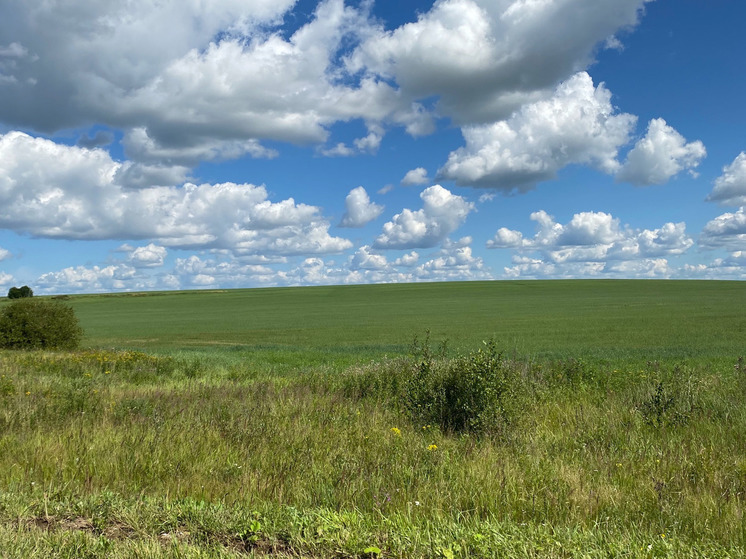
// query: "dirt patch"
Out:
[52,523]
[118,531]
[115,530]
[261,547]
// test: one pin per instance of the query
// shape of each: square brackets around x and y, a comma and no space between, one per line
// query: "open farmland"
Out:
[294,423]
[616,321]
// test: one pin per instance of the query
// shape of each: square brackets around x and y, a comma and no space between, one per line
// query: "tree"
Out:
[20,292]
[39,324]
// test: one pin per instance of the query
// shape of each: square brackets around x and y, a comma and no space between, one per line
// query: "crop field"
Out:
[493,419]
[615,321]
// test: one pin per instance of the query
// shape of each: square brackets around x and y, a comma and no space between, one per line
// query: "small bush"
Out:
[465,394]
[39,324]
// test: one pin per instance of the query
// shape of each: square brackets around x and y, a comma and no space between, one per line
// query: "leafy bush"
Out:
[466,394]
[39,324]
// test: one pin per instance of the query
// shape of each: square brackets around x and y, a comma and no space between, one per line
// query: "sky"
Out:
[216,144]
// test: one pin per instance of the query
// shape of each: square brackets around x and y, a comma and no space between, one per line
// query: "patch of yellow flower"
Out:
[432,447]
[396,431]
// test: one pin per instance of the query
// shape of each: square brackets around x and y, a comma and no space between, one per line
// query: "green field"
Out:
[304,422]
[600,320]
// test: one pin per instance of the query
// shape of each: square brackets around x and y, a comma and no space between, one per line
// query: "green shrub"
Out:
[465,394]
[39,324]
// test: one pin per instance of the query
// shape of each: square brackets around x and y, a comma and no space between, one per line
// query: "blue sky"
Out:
[248,143]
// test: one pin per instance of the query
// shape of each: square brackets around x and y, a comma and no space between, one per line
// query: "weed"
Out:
[461,395]
[663,408]
[7,388]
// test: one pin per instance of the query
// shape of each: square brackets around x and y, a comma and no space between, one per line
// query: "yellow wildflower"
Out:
[432,447]
[396,431]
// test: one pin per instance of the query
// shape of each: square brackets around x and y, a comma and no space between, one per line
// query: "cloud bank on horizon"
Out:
[238,143]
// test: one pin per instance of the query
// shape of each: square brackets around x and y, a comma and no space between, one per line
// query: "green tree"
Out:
[39,324]
[20,292]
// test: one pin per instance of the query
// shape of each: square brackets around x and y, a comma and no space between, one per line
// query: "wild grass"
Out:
[109,453]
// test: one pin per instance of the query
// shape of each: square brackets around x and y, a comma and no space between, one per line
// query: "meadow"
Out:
[602,419]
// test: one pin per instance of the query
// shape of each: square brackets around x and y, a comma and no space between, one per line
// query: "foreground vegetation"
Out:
[122,454]
[560,419]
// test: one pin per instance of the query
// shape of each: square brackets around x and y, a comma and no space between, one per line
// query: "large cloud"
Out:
[442,213]
[212,80]
[57,191]
[73,57]
[578,124]
[730,187]
[485,58]
[273,88]
[215,79]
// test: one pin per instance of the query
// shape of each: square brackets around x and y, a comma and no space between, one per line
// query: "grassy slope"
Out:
[614,320]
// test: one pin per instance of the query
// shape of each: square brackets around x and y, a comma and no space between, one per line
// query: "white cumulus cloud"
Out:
[725,231]
[416,176]
[359,209]
[660,155]
[442,213]
[578,124]
[95,279]
[591,244]
[365,259]
[730,187]
[57,191]
[150,256]
[485,58]
[217,78]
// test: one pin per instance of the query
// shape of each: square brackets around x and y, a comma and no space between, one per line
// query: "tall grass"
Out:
[124,454]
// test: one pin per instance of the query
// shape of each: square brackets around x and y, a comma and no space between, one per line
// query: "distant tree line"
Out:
[20,292]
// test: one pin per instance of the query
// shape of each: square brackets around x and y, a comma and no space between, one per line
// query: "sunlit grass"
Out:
[124,454]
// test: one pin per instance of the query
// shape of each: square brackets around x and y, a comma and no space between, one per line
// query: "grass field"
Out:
[601,320]
[292,423]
